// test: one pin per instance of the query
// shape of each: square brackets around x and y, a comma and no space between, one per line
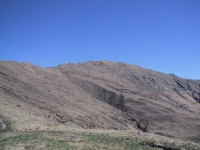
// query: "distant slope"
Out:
[102,94]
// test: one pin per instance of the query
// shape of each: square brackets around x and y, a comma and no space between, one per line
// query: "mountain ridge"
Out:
[104,94]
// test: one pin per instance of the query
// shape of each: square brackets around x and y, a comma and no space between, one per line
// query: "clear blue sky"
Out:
[162,35]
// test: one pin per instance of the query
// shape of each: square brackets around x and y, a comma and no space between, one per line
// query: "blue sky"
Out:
[162,35]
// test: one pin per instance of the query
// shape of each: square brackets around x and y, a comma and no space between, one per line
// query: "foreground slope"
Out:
[100,95]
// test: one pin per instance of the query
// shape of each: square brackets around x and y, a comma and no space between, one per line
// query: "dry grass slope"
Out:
[88,139]
[99,95]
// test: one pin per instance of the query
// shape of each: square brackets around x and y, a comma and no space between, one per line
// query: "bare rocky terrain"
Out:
[100,95]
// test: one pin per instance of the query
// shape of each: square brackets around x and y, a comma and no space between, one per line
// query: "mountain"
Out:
[100,94]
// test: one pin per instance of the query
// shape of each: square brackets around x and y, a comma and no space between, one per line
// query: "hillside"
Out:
[100,95]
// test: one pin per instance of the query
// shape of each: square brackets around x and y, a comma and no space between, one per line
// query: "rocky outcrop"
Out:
[143,125]
[189,87]
[102,94]
[3,127]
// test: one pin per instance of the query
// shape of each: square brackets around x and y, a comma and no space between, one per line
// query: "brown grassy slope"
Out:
[42,94]
[167,102]
[88,95]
